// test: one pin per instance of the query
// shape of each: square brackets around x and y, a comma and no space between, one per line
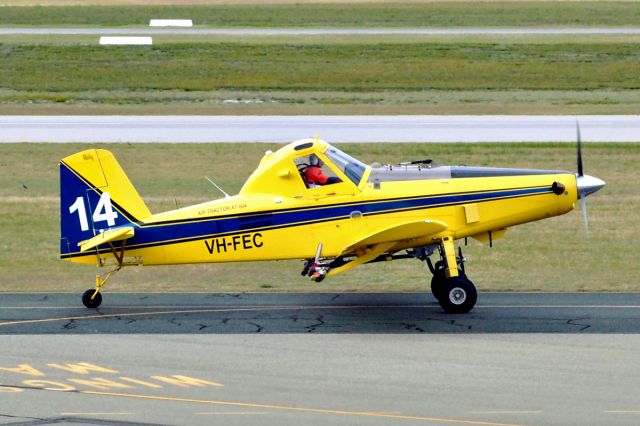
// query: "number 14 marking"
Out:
[103,211]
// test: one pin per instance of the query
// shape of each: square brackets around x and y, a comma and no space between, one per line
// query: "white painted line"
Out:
[126,41]
[171,23]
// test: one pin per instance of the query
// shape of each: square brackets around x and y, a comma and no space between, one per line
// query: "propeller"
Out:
[583,199]
[586,184]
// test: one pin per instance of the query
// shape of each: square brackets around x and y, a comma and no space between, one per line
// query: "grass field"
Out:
[206,67]
[339,78]
[291,102]
[410,14]
[551,255]
[324,74]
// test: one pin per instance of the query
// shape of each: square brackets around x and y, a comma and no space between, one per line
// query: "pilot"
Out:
[314,174]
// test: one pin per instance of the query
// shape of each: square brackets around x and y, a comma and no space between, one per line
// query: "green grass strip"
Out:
[436,14]
[324,67]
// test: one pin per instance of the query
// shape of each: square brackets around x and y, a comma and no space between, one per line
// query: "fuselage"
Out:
[472,201]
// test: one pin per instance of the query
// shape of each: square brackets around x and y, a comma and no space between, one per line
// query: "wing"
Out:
[384,240]
[117,234]
[401,232]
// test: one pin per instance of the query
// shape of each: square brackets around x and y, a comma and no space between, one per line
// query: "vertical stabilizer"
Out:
[95,196]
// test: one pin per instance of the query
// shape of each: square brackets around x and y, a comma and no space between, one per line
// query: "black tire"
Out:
[459,297]
[438,284]
[91,303]
[439,280]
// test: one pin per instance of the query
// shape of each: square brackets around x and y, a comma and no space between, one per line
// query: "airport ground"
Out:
[517,359]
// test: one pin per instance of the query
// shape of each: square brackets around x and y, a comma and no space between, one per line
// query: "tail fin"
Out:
[95,195]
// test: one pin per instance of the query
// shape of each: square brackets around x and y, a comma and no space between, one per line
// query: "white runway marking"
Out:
[171,23]
[126,41]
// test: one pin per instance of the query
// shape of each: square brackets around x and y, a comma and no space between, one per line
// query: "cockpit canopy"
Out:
[352,168]
[287,172]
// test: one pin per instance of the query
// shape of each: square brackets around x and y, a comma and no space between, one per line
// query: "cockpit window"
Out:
[314,172]
[351,167]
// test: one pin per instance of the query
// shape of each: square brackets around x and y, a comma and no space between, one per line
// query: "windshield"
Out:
[351,167]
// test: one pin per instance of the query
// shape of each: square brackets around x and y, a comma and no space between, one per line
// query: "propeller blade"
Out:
[586,184]
[585,220]
[580,170]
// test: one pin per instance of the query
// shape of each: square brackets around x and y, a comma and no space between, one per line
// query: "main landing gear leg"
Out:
[92,298]
[450,285]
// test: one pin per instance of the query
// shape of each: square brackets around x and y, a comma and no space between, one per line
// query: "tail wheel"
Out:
[91,301]
[459,297]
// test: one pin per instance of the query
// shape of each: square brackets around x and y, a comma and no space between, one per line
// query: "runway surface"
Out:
[274,359]
[281,129]
[323,31]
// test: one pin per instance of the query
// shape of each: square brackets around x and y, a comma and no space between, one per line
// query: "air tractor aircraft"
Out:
[311,201]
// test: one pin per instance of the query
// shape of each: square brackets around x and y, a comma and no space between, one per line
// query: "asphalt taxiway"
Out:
[398,313]
[170,359]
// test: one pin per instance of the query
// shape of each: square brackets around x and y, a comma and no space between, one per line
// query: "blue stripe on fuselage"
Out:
[167,232]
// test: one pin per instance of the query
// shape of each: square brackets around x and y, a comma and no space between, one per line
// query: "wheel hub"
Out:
[457,296]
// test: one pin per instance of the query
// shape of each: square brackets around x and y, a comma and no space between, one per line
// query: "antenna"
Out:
[219,189]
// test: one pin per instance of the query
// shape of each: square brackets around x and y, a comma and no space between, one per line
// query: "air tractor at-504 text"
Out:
[311,201]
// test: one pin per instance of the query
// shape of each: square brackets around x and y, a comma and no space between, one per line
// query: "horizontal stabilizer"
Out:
[402,232]
[117,234]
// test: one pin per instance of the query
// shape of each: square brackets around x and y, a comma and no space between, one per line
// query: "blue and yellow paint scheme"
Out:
[367,214]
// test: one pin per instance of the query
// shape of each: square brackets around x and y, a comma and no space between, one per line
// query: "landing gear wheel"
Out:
[439,280]
[459,297]
[88,301]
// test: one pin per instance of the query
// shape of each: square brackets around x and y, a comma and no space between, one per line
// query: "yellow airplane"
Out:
[311,201]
